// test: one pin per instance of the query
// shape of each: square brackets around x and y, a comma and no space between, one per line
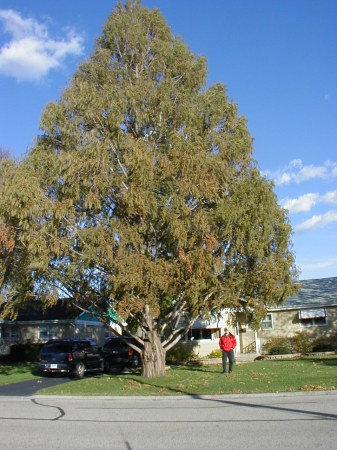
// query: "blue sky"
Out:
[278,59]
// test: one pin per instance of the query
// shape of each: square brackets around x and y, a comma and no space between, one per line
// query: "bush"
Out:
[278,346]
[215,354]
[302,342]
[178,354]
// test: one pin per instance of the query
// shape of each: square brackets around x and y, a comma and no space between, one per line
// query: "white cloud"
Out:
[305,202]
[31,53]
[297,172]
[330,197]
[321,264]
[300,204]
[319,221]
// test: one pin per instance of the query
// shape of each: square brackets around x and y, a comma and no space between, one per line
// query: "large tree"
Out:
[140,199]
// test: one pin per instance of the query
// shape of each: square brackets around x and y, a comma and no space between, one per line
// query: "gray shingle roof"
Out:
[313,293]
[33,311]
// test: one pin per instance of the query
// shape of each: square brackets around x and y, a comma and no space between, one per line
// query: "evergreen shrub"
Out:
[302,342]
[278,346]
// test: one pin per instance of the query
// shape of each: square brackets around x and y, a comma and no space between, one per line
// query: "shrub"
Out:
[278,346]
[302,342]
[178,354]
[215,354]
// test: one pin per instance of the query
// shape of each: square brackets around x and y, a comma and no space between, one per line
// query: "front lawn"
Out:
[15,372]
[315,373]
[305,374]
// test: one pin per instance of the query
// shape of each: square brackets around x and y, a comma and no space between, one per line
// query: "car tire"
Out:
[79,370]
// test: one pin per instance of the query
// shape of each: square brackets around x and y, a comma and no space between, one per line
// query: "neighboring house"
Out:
[313,309]
[35,325]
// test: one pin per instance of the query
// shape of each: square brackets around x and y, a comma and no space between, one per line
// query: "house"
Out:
[35,325]
[313,309]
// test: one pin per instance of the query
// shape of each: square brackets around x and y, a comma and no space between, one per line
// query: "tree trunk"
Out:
[153,357]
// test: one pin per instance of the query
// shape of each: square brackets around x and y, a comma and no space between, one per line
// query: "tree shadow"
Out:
[10,368]
[196,368]
[324,361]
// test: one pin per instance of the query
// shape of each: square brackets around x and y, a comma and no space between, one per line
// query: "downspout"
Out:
[257,343]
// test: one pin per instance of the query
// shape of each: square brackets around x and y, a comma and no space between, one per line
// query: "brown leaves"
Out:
[185,259]
[7,238]
[211,242]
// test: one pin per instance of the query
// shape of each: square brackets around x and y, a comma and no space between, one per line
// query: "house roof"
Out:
[313,293]
[33,311]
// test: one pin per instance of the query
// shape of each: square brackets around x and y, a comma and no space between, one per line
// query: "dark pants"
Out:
[230,356]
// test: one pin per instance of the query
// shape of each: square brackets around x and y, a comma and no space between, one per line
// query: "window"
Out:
[206,333]
[267,322]
[48,332]
[10,334]
[203,333]
[194,334]
[313,317]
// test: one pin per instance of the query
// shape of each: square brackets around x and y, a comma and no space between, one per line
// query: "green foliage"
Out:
[179,354]
[141,193]
[278,346]
[302,342]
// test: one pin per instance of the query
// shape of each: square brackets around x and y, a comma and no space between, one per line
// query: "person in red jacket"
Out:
[227,344]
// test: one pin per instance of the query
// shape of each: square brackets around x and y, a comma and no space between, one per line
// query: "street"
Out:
[266,421]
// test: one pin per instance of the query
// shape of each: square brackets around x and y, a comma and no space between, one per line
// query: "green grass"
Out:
[13,373]
[260,376]
[306,374]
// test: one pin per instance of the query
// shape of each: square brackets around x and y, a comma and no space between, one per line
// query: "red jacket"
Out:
[227,343]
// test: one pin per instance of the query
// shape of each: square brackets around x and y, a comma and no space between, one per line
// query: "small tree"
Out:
[142,198]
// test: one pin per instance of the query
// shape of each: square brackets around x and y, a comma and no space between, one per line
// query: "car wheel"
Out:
[79,370]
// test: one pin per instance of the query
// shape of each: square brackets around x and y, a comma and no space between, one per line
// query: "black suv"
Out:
[73,356]
[116,353]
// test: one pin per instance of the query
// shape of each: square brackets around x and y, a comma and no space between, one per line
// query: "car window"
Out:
[112,344]
[57,347]
[81,346]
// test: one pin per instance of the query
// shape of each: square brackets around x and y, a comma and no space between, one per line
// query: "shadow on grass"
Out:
[324,361]
[7,368]
[196,368]
[315,415]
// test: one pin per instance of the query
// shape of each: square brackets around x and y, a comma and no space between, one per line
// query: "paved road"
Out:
[270,421]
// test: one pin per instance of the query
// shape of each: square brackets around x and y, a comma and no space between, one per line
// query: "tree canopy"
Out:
[141,195]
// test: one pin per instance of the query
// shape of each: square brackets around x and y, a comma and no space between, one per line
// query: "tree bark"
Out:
[153,357]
